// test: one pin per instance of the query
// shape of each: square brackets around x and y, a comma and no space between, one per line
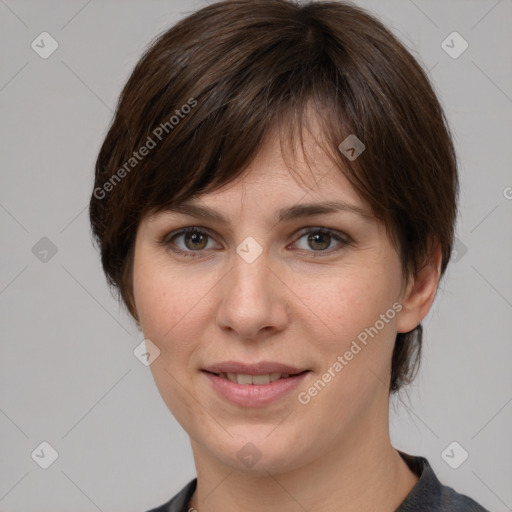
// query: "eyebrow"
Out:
[283,215]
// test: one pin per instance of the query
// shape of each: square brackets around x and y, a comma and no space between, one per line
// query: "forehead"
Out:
[300,169]
[302,184]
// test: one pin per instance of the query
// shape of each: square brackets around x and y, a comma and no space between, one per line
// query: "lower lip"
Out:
[254,395]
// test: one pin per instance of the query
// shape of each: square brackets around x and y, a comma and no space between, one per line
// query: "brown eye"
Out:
[319,241]
[322,241]
[190,242]
[195,240]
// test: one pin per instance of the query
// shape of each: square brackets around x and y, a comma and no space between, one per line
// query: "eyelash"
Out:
[168,241]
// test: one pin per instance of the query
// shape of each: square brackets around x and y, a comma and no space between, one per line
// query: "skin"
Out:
[334,453]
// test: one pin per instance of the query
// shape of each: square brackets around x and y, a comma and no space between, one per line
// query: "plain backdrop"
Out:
[68,375]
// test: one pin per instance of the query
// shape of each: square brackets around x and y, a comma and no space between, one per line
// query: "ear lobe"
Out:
[420,294]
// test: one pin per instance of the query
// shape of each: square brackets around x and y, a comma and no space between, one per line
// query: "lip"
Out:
[253,395]
[253,369]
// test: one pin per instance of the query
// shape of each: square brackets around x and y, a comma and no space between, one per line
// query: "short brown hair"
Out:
[221,78]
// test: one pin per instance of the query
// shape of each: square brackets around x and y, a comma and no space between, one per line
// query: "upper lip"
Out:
[259,368]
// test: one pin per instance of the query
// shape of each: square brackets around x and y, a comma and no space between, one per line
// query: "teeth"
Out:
[261,379]
[254,379]
[230,376]
[244,379]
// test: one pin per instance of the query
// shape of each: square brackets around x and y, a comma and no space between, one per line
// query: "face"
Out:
[272,289]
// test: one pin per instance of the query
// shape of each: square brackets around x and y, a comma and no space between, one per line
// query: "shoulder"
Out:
[453,501]
[430,495]
[179,502]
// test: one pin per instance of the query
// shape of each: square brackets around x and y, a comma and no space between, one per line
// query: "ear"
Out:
[420,293]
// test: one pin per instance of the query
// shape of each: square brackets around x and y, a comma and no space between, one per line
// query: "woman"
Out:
[275,203]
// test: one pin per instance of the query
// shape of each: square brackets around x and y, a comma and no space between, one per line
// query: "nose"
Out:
[253,301]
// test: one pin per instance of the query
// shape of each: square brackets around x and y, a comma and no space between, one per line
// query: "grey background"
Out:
[67,369]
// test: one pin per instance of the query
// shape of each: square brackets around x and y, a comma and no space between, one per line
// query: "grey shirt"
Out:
[428,495]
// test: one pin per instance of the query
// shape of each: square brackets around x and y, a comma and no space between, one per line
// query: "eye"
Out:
[320,240]
[191,241]
[194,240]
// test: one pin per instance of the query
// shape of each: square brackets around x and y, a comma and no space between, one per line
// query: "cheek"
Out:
[168,307]
[161,296]
[173,308]
[354,340]
[349,302]
[161,299]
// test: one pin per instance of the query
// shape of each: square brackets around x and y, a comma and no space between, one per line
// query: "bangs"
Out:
[218,139]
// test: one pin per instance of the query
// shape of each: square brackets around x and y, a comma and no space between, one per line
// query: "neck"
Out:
[364,472]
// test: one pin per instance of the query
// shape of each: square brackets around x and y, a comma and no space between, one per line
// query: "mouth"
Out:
[255,385]
[257,379]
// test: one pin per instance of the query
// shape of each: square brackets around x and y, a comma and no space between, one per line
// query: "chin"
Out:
[257,453]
